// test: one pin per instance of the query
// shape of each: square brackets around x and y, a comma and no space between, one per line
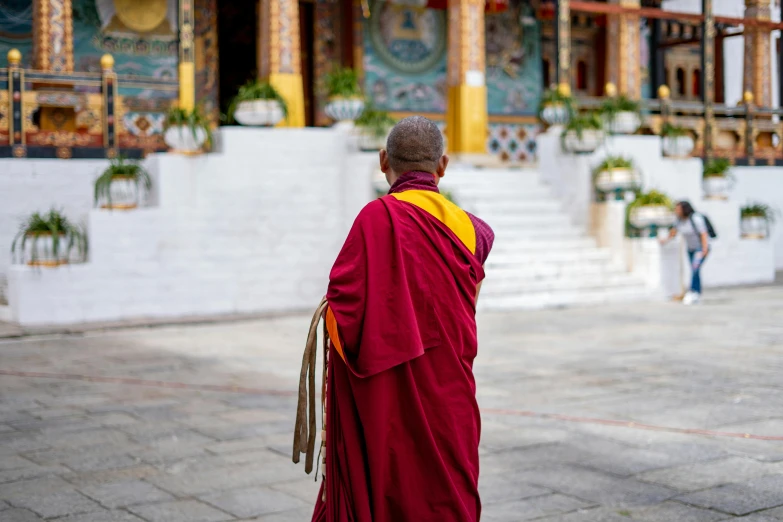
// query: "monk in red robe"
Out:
[402,422]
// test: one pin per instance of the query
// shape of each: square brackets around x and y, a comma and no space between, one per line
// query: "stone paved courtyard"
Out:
[650,412]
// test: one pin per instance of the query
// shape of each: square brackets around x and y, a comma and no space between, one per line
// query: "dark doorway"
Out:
[237,43]
[307,49]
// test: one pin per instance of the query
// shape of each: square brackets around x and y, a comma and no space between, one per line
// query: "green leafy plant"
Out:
[255,90]
[65,235]
[717,168]
[557,96]
[759,210]
[193,120]
[343,83]
[583,122]
[120,168]
[651,198]
[375,122]
[673,131]
[614,162]
[613,106]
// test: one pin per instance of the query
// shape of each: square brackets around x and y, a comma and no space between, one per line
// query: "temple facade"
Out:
[88,76]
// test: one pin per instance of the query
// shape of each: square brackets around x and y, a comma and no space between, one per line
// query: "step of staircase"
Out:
[540,258]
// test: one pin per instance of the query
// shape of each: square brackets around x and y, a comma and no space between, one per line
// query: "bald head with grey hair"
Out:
[414,144]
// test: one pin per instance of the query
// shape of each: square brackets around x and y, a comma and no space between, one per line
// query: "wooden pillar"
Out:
[279,60]
[16,131]
[624,51]
[563,43]
[187,65]
[758,61]
[466,113]
[708,74]
[53,35]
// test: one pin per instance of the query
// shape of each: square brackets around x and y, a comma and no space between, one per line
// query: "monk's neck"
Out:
[414,180]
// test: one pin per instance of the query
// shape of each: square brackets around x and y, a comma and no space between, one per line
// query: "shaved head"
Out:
[414,144]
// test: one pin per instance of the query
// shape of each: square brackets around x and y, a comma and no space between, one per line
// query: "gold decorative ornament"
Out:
[142,16]
[107,62]
[14,57]
[563,89]
[610,89]
[747,97]
[664,92]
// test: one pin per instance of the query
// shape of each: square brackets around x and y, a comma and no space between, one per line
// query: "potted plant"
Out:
[583,134]
[651,210]
[345,95]
[257,103]
[677,141]
[621,114]
[557,105]
[716,179]
[186,131]
[117,188]
[755,219]
[48,240]
[616,174]
[373,126]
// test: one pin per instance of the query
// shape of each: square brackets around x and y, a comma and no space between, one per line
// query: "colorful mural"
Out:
[514,74]
[16,29]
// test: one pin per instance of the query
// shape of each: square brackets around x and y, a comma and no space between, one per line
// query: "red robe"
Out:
[402,421]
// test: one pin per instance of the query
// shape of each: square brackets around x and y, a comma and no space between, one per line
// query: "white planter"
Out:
[39,251]
[344,109]
[555,114]
[182,139]
[624,123]
[264,113]
[617,179]
[591,139]
[677,147]
[124,194]
[370,142]
[651,215]
[717,187]
[754,227]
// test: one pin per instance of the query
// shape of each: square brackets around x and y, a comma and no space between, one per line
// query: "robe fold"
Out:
[402,420]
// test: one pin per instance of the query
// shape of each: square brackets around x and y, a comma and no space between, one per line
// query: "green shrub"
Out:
[343,82]
[255,90]
[65,235]
[120,168]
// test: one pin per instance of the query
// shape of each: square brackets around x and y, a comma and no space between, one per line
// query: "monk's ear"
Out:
[443,162]
[384,160]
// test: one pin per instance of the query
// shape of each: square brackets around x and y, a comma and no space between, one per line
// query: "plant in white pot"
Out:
[621,115]
[717,180]
[755,220]
[617,175]
[187,131]
[120,186]
[257,104]
[48,240]
[557,105]
[346,101]
[649,212]
[677,141]
[373,126]
[583,134]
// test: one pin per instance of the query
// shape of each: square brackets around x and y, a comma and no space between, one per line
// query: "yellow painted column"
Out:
[624,51]
[53,35]
[187,67]
[279,59]
[758,59]
[466,112]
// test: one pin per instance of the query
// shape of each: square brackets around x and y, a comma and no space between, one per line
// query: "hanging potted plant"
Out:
[258,104]
[583,134]
[677,141]
[615,174]
[373,126]
[557,105]
[48,240]
[650,211]
[755,220]
[345,95]
[186,131]
[717,180]
[118,187]
[621,115]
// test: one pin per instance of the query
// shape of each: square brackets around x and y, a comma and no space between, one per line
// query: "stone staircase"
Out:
[540,259]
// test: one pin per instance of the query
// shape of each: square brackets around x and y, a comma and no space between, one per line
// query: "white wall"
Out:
[254,227]
[765,185]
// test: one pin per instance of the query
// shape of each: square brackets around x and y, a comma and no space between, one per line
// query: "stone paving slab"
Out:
[74,450]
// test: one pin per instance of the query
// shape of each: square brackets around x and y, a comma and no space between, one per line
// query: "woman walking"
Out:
[693,228]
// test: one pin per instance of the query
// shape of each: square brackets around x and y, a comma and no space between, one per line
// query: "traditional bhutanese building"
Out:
[99,74]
